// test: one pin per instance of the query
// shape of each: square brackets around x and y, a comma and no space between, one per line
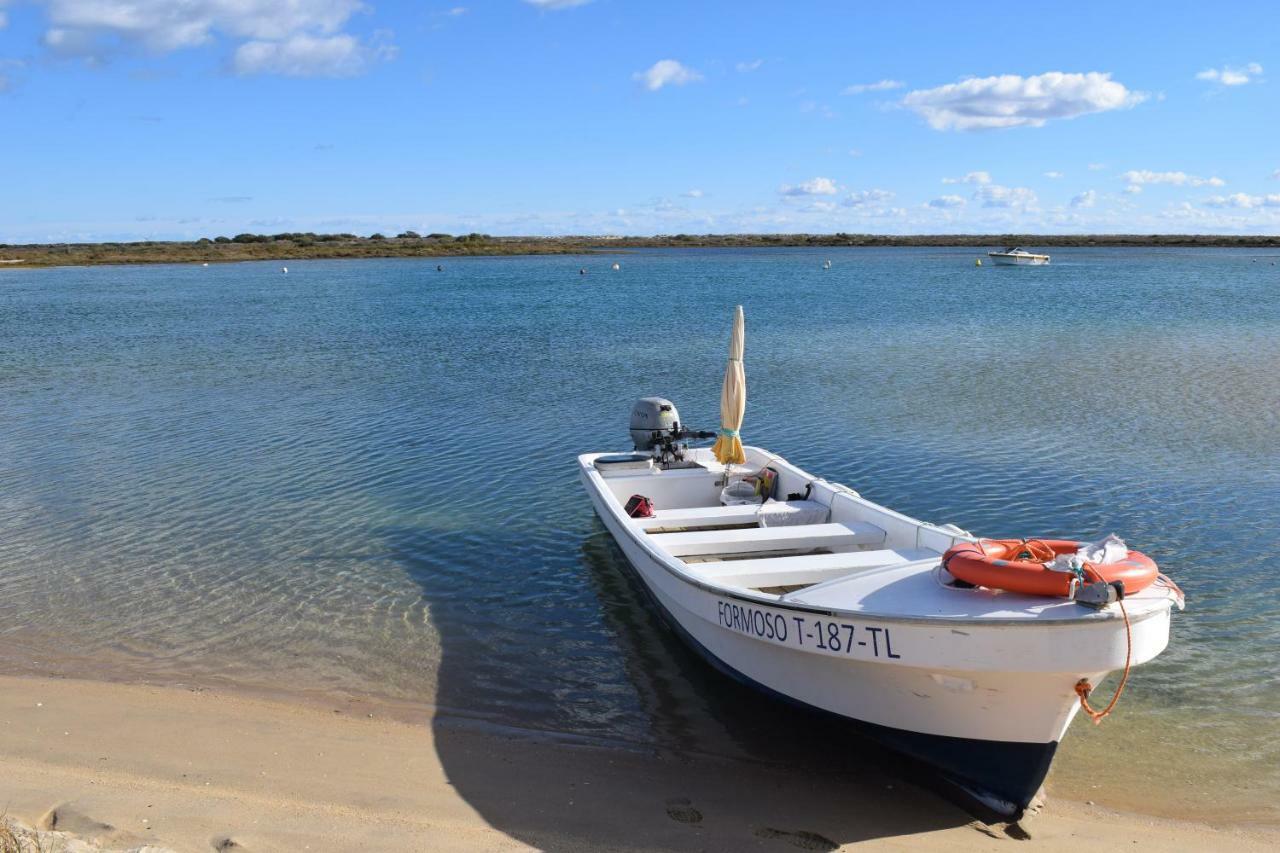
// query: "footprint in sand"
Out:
[1017,830]
[65,819]
[226,844]
[800,838]
[681,809]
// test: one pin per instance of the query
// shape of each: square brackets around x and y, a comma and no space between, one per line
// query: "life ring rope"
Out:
[1035,550]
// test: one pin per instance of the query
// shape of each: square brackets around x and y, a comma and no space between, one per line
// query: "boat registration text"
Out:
[806,631]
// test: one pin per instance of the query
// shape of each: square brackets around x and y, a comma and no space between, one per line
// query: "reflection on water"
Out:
[350,478]
[689,706]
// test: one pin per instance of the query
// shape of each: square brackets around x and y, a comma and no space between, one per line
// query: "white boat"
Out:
[1018,257]
[828,600]
[834,602]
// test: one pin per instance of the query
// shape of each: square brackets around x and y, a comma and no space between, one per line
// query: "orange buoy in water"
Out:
[1018,565]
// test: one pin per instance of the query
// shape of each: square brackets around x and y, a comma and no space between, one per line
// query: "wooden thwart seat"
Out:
[800,538]
[805,570]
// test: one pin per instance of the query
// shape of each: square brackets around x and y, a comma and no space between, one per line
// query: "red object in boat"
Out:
[639,507]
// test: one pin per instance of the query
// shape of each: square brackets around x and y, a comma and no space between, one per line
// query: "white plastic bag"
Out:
[1101,553]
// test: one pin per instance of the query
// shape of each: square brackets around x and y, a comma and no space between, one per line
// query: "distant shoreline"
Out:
[303,246]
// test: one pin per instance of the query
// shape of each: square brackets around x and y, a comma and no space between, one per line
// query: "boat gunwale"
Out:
[673,567]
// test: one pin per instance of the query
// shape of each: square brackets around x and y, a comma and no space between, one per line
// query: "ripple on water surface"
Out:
[358,479]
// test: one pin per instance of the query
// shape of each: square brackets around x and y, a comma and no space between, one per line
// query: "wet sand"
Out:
[127,765]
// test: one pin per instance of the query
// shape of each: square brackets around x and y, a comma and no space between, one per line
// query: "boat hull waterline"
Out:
[985,701]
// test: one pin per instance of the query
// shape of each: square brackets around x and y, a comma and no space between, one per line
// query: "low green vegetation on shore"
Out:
[408,244]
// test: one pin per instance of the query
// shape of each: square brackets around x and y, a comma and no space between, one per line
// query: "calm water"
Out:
[358,479]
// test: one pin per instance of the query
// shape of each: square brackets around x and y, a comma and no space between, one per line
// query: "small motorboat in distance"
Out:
[1018,257]
[815,595]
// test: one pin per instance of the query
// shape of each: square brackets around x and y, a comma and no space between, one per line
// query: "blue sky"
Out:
[134,119]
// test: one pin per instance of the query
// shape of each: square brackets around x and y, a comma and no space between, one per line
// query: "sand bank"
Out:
[127,766]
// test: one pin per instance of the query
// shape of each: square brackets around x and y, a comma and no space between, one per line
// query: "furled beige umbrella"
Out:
[733,398]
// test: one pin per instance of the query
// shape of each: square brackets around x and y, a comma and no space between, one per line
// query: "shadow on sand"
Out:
[724,768]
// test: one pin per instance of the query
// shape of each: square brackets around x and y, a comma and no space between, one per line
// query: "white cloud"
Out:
[879,86]
[862,198]
[857,152]
[164,25]
[456,11]
[1139,177]
[982,103]
[1133,189]
[1054,175]
[1241,200]
[556,5]
[693,194]
[813,186]
[1086,199]
[666,72]
[1232,220]
[306,56]
[1276,174]
[296,38]
[947,201]
[748,67]
[1097,167]
[1229,76]
[971,178]
[994,195]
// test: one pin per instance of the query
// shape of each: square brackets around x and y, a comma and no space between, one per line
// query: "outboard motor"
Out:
[655,427]
[650,418]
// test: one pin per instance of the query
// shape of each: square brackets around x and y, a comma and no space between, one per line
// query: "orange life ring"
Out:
[1018,565]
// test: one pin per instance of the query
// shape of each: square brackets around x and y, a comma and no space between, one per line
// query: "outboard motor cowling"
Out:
[650,417]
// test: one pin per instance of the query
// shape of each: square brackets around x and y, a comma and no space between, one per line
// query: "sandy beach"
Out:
[127,766]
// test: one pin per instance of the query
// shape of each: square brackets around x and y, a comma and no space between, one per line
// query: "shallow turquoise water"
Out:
[358,478]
